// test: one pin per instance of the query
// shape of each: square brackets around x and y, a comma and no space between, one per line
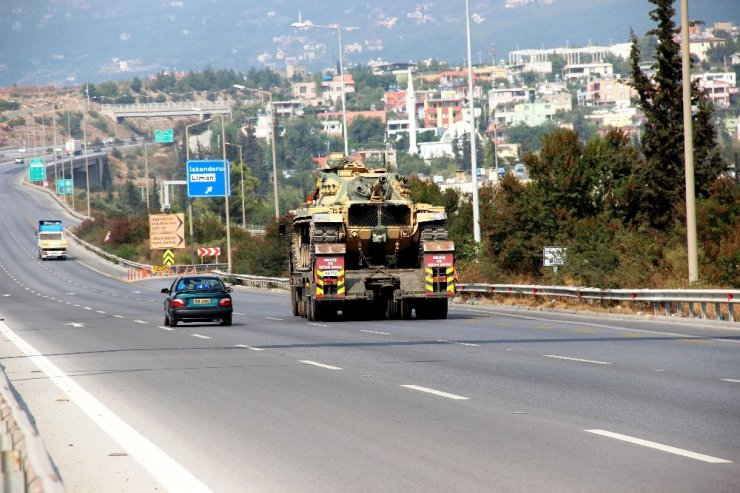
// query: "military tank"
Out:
[361,247]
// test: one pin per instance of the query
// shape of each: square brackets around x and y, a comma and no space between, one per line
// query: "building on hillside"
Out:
[608,90]
[289,109]
[732,125]
[331,87]
[586,70]
[590,54]
[543,67]
[530,114]
[561,101]
[383,68]
[295,70]
[442,112]
[394,127]
[700,42]
[506,95]
[615,117]
[551,87]
[729,77]
[332,120]
[443,147]
[491,72]
[308,93]
[386,157]
[719,92]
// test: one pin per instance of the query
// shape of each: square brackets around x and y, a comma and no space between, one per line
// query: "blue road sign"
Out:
[208,178]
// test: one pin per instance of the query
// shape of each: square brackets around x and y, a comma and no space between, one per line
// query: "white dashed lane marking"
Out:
[594,362]
[661,447]
[436,392]
[320,365]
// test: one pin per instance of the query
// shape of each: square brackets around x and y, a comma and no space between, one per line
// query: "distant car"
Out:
[19,160]
[197,298]
[22,150]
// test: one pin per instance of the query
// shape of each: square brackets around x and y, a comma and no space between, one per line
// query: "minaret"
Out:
[411,110]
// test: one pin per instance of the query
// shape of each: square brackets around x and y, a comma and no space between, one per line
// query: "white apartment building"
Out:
[585,70]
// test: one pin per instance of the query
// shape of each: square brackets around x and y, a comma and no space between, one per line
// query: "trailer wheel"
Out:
[405,309]
[392,309]
[294,300]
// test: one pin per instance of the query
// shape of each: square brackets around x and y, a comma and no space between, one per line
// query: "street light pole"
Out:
[87,167]
[273,129]
[688,147]
[190,201]
[473,157]
[338,28]
[241,174]
[227,190]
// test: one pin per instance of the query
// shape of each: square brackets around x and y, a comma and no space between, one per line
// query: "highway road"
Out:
[490,399]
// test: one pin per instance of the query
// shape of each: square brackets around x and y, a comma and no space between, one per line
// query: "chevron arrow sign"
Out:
[209,252]
[168,258]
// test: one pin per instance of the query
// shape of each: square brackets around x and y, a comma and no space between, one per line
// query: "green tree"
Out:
[662,176]
[561,177]
[366,132]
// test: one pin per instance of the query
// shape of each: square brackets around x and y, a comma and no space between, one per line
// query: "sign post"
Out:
[166,231]
[553,256]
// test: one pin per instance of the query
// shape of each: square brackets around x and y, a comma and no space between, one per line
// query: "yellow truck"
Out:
[51,240]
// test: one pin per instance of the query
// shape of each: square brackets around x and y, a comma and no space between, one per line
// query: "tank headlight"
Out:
[404,233]
[354,234]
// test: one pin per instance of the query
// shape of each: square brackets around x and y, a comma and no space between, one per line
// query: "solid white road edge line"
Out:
[376,332]
[730,380]
[436,392]
[320,365]
[659,446]
[577,359]
[173,476]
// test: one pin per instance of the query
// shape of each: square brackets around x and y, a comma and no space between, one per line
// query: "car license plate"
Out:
[201,301]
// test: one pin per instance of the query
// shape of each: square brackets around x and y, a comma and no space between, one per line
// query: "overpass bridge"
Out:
[74,167]
[202,109]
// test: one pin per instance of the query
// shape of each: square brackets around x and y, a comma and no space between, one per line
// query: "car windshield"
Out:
[200,284]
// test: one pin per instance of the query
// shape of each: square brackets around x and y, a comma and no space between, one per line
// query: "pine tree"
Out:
[661,178]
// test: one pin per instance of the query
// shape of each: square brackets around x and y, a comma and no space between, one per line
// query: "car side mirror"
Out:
[165,290]
[229,289]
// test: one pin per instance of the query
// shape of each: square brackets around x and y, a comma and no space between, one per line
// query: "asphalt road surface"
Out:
[487,400]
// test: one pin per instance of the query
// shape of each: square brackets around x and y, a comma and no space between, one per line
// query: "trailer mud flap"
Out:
[329,272]
[439,273]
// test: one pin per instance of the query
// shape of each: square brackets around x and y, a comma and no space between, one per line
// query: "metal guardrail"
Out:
[257,281]
[668,302]
[26,465]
